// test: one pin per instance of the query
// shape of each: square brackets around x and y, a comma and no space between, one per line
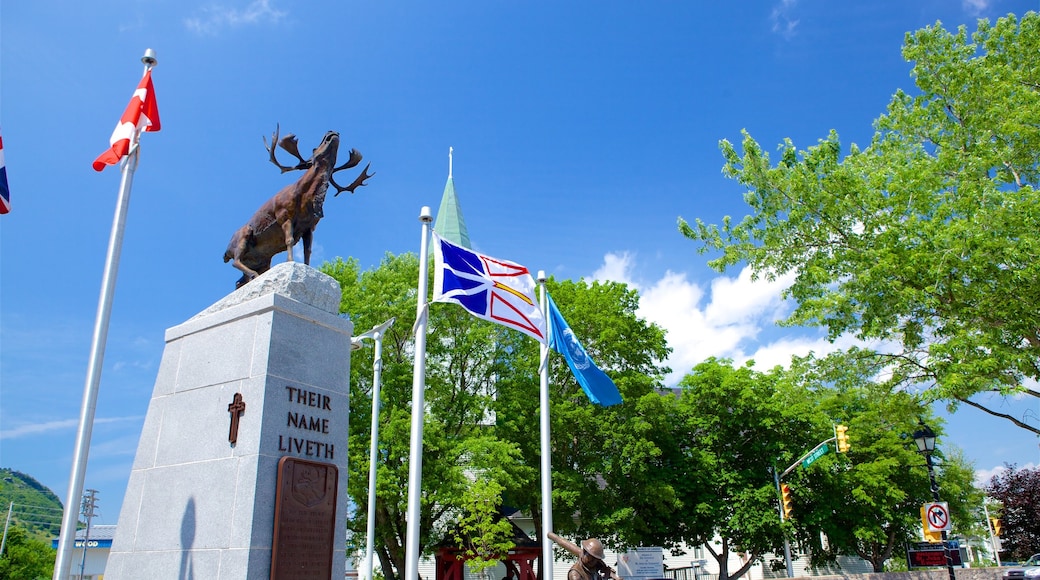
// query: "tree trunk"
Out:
[536,518]
[386,565]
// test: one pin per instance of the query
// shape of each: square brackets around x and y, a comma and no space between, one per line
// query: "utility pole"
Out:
[994,541]
[7,524]
[89,505]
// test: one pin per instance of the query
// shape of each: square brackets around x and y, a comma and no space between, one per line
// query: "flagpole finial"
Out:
[425,215]
[149,59]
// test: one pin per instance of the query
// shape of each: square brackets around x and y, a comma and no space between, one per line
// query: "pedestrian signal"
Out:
[785,496]
[841,436]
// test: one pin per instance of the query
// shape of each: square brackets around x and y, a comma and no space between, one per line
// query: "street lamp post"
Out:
[925,439]
[376,334]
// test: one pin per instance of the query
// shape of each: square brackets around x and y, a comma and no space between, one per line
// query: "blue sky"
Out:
[581,132]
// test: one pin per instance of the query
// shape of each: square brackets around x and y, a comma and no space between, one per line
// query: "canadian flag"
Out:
[142,114]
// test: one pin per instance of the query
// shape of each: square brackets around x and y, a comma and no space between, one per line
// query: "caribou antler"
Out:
[358,182]
[289,143]
[355,158]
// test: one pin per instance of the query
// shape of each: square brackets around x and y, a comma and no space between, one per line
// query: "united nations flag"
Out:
[597,385]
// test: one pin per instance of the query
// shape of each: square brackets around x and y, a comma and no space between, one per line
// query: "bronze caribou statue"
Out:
[293,213]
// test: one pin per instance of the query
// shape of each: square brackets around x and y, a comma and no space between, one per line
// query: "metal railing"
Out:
[689,573]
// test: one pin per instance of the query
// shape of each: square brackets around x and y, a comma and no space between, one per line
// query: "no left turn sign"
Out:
[938,516]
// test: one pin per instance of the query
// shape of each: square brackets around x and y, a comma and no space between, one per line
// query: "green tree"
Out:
[25,558]
[604,484]
[1018,491]
[739,424]
[482,414]
[927,239]
[456,437]
[867,502]
[481,532]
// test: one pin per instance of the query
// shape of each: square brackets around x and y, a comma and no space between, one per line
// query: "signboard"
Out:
[815,455]
[931,555]
[641,563]
[937,514]
[91,543]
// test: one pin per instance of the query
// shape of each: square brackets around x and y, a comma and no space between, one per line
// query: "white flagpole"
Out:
[376,334]
[547,520]
[418,406]
[67,539]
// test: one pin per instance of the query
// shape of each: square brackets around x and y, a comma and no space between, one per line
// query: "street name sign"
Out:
[815,455]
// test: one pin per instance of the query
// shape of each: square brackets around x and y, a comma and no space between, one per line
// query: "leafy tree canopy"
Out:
[482,533]
[867,501]
[736,426]
[663,468]
[26,558]
[604,483]
[1018,491]
[926,239]
[456,440]
[482,392]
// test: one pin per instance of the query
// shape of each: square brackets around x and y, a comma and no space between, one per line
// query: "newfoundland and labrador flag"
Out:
[489,288]
[141,114]
[596,384]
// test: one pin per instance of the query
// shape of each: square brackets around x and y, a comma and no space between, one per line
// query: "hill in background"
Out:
[31,505]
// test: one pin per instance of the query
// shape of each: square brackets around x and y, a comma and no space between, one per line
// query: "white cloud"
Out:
[741,300]
[721,321]
[123,446]
[216,17]
[50,426]
[734,318]
[982,476]
[780,352]
[975,7]
[616,267]
[784,23]
[140,365]
[36,428]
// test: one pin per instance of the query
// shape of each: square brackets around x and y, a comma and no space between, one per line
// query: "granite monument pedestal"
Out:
[259,376]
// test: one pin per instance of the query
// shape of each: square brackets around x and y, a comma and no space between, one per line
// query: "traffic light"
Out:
[842,438]
[996,526]
[929,536]
[788,505]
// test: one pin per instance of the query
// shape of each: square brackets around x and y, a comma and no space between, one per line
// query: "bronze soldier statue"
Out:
[590,565]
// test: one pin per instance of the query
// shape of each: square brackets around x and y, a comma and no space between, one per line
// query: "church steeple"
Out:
[450,224]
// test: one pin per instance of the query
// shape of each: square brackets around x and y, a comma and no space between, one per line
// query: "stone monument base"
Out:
[260,375]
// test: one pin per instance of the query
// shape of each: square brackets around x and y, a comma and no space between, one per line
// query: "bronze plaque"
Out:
[304,520]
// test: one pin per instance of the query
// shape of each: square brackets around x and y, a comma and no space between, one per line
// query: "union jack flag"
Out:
[497,290]
[5,191]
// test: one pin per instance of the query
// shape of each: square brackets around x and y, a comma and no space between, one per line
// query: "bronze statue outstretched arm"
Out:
[575,549]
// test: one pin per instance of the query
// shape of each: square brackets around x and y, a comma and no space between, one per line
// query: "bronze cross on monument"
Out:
[236,408]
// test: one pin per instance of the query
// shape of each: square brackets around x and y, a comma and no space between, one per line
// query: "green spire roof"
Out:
[450,224]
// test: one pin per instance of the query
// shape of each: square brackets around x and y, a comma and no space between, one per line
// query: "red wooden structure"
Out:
[521,563]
